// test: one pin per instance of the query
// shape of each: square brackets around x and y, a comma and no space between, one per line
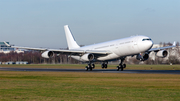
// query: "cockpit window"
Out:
[146,39]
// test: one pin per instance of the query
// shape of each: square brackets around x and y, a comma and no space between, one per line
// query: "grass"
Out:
[65,86]
[98,66]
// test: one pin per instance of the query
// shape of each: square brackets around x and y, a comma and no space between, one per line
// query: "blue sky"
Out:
[39,23]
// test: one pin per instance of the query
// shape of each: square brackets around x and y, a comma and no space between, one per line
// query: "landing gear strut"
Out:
[90,67]
[104,65]
[121,65]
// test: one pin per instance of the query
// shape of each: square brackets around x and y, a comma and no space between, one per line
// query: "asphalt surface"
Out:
[93,71]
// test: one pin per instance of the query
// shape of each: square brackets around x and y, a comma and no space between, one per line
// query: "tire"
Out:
[122,68]
[105,65]
[124,65]
[90,69]
[102,66]
[86,68]
[117,68]
[89,65]
[93,66]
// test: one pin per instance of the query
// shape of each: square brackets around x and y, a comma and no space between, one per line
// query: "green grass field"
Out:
[66,86]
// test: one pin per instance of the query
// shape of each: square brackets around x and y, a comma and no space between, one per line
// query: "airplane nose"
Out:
[145,45]
[150,44]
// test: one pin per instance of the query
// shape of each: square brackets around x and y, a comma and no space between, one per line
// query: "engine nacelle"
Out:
[142,56]
[87,57]
[162,53]
[47,54]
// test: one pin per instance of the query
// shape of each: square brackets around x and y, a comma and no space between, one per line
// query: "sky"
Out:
[40,23]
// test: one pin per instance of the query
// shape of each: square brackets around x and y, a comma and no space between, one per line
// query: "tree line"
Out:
[34,57]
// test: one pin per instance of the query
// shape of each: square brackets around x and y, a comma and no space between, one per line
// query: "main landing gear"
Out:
[104,65]
[121,65]
[90,67]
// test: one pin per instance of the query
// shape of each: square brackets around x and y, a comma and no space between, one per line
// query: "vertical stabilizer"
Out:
[70,39]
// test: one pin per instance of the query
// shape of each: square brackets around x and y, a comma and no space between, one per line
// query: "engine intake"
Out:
[47,54]
[87,57]
[90,57]
[162,53]
[142,56]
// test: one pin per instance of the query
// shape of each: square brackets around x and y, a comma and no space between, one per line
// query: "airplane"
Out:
[139,46]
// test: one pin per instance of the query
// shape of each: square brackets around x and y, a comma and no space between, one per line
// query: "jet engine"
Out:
[162,53]
[87,57]
[47,54]
[142,56]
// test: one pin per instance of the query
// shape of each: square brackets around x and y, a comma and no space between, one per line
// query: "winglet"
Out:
[7,44]
[174,44]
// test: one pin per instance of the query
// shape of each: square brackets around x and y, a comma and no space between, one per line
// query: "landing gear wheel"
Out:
[89,65]
[105,66]
[93,66]
[117,68]
[124,65]
[86,68]
[122,68]
[102,66]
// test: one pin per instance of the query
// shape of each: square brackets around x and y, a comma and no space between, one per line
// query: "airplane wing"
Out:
[161,48]
[70,52]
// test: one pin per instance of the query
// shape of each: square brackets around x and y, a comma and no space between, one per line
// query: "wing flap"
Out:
[101,52]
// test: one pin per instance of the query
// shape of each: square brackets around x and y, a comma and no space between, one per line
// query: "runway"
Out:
[93,71]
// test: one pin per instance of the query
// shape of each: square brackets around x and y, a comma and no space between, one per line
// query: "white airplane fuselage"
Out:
[119,48]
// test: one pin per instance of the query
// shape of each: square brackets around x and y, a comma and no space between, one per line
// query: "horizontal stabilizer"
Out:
[174,44]
[7,44]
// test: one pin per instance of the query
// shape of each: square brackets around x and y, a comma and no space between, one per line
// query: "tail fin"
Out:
[174,44]
[70,39]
